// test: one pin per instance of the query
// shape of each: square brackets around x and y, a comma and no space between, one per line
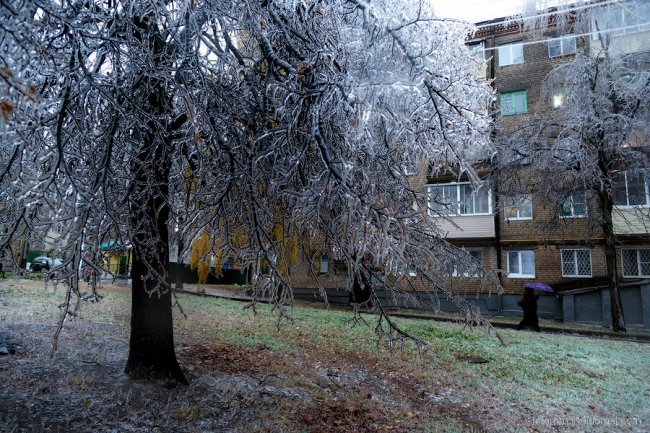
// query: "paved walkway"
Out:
[238,293]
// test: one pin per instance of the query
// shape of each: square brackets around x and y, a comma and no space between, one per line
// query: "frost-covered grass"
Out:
[320,364]
[535,376]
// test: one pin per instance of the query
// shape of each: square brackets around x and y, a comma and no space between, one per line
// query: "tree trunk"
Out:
[151,349]
[618,321]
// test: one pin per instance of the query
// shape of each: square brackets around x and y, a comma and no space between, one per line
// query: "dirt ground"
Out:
[233,388]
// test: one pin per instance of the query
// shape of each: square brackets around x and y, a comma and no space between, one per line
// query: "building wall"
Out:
[546,233]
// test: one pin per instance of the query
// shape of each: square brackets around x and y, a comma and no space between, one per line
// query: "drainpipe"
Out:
[497,220]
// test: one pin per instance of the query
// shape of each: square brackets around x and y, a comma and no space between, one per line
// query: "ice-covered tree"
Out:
[594,145]
[265,125]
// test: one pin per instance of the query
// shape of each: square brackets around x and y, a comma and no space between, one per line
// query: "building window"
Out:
[630,189]
[559,96]
[576,263]
[476,51]
[459,199]
[518,208]
[513,103]
[521,264]
[324,264]
[557,99]
[563,46]
[476,257]
[410,167]
[619,21]
[574,206]
[636,262]
[512,54]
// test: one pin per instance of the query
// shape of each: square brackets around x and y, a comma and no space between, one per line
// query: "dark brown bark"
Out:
[618,321]
[151,347]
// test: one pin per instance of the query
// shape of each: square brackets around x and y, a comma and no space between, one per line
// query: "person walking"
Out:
[2,271]
[528,303]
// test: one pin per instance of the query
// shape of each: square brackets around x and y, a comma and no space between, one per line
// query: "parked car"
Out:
[42,264]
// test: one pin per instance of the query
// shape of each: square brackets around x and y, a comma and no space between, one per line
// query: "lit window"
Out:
[521,264]
[636,262]
[562,46]
[576,263]
[513,103]
[459,199]
[518,208]
[574,206]
[559,96]
[630,190]
[511,54]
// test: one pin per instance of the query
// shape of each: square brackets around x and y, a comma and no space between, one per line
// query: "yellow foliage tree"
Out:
[201,257]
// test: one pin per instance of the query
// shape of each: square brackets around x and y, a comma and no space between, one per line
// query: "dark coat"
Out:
[528,303]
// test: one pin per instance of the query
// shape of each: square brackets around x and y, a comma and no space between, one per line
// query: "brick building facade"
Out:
[530,240]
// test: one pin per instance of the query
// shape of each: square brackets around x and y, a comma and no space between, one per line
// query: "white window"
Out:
[511,54]
[477,257]
[459,199]
[619,21]
[630,189]
[576,263]
[562,46]
[518,208]
[574,206]
[476,50]
[636,262]
[521,264]
[324,264]
[477,53]
[474,152]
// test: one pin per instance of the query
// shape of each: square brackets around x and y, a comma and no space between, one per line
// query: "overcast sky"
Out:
[481,10]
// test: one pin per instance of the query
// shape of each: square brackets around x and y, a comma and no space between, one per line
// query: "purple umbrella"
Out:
[539,286]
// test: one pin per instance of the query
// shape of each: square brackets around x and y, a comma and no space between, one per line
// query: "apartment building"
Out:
[527,238]
[544,239]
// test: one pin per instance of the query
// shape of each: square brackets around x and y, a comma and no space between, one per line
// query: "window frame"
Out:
[519,199]
[627,193]
[519,263]
[511,58]
[561,40]
[570,197]
[469,252]
[624,28]
[323,263]
[457,203]
[513,94]
[575,263]
[638,262]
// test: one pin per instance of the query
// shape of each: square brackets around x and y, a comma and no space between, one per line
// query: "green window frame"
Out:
[513,103]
